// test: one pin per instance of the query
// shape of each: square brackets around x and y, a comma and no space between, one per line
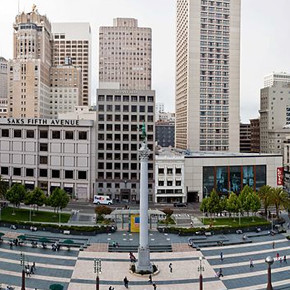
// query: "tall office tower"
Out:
[208,75]
[73,40]
[66,89]
[28,79]
[272,78]
[245,138]
[274,117]
[3,87]
[125,56]
[255,135]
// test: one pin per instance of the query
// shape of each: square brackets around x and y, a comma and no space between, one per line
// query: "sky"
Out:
[265,41]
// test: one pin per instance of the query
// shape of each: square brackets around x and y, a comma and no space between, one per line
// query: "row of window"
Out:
[117,98]
[123,176]
[169,170]
[43,134]
[30,172]
[132,147]
[126,108]
[169,183]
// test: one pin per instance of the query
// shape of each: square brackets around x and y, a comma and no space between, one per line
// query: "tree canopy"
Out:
[58,199]
[16,194]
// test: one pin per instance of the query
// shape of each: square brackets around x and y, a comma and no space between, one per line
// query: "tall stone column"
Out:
[143,250]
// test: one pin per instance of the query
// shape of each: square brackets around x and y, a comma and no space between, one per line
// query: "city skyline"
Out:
[258,53]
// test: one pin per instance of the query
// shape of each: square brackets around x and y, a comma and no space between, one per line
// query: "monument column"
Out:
[143,263]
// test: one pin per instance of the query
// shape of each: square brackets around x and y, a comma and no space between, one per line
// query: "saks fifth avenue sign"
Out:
[39,121]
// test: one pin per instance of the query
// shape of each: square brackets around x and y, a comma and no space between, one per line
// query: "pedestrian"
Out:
[191,224]
[11,244]
[33,266]
[277,256]
[150,279]
[251,263]
[222,256]
[126,282]
[220,273]
[154,286]
[170,267]
[273,245]
[285,259]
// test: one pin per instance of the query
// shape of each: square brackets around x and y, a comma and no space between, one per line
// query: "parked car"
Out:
[180,204]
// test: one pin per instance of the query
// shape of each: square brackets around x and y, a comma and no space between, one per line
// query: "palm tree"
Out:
[280,199]
[265,193]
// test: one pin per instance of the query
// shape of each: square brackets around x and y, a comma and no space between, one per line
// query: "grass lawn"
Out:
[235,223]
[40,216]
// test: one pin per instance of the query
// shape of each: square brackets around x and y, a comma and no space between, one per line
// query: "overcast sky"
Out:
[265,38]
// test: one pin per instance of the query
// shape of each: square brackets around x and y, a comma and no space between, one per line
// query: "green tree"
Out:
[233,204]
[255,202]
[36,198]
[214,202]
[3,188]
[16,194]
[223,204]
[245,198]
[280,199]
[58,199]
[204,205]
[265,193]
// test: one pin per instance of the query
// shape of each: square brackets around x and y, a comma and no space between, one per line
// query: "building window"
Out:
[82,135]
[17,171]
[69,135]
[5,133]
[43,159]
[43,147]
[160,183]
[55,173]
[43,134]
[178,182]
[55,134]
[30,134]
[169,171]
[4,170]
[160,170]
[17,133]
[82,174]
[69,174]
[169,182]
[178,170]
[29,172]
[43,172]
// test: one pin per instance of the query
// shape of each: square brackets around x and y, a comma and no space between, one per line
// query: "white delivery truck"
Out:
[102,199]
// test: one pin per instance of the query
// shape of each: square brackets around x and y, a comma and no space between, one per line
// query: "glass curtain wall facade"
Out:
[225,179]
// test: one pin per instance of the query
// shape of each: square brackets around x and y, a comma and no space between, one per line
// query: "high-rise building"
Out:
[274,117]
[255,135]
[66,89]
[245,138]
[164,133]
[3,87]
[28,72]
[208,75]
[125,56]
[125,101]
[73,41]
[272,78]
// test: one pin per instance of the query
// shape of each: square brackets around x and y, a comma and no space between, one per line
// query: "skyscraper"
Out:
[28,79]
[208,75]
[73,41]
[3,87]
[125,55]
[124,102]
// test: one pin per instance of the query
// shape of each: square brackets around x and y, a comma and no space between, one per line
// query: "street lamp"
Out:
[269,260]
[98,270]
[200,269]
[22,263]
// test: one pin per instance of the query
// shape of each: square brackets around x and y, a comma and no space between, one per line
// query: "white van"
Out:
[102,199]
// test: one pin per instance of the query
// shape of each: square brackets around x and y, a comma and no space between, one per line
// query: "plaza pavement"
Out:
[74,269]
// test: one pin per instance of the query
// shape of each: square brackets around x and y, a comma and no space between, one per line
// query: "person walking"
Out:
[150,279]
[222,256]
[126,282]
[170,267]
[277,256]
[220,273]
[251,263]
[154,286]
[285,259]
[273,245]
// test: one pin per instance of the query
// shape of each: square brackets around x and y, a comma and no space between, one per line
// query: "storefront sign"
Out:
[280,171]
[38,121]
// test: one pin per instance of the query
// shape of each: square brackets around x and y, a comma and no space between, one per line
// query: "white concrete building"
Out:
[208,75]
[272,78]
[49,153]
[274,117]
[169,178]
[73,40]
